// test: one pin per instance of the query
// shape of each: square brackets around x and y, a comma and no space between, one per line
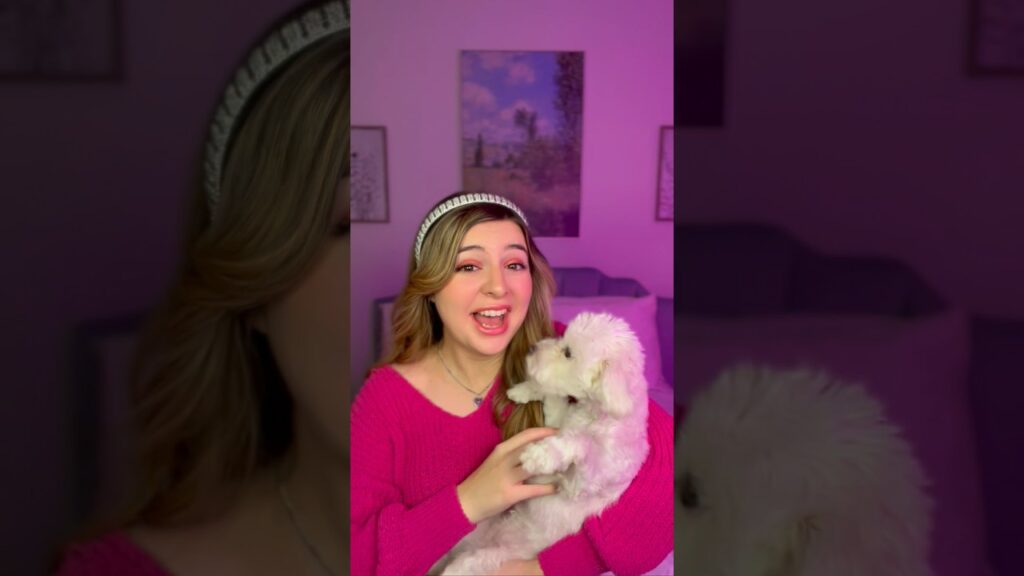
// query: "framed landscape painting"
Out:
[522,132]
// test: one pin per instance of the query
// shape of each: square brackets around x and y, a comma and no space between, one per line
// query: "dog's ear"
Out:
[610,386]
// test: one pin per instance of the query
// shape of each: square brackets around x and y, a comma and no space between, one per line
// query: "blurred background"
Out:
[855,168]
[860,128]
[104,108]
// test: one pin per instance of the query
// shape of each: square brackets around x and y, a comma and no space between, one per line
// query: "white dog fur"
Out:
[792,473]
[600,446]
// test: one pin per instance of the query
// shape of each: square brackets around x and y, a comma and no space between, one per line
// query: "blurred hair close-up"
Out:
[238,442]
[849,314]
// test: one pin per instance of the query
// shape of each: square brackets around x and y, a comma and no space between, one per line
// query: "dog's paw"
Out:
[471,564]
[537,458]
[520,394]
[458,566]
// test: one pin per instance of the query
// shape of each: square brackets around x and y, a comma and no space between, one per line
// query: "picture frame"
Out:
[996,37]
[701,41]
[46,40]
[665,193]
[521,134]
[369,179]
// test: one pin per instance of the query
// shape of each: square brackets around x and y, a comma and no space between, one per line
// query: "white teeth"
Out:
[492,313]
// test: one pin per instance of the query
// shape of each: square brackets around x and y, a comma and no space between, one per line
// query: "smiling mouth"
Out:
[491,319]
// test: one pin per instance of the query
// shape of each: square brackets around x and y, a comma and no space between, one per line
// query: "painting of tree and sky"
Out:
[522,120]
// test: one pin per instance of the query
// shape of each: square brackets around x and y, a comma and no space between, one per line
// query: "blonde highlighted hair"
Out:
[417,326]
[211,406]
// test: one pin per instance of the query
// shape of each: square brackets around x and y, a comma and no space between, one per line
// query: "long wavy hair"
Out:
[211,406]
[417,327]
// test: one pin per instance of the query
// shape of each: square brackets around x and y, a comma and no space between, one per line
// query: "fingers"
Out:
[514,456]
[527,436]
[519,474]
[527,491]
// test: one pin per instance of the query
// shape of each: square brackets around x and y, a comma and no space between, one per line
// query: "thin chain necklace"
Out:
[283,492]
[478,397]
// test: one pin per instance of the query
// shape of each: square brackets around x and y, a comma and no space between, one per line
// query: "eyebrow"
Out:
[477,247]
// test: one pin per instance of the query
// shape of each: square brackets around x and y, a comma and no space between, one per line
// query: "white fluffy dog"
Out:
[592,384]
[786,473]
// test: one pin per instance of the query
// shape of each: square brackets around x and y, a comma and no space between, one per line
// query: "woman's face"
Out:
[308,330]
[485,301]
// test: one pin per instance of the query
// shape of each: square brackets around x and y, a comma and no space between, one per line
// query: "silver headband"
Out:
[458,202]
[277,49]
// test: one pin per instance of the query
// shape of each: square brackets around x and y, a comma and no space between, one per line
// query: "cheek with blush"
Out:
[523,290]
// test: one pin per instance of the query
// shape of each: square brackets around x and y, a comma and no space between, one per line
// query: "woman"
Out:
[435,440]
[239,392]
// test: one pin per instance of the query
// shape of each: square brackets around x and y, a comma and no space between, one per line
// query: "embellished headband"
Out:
[459,202]
[263,61]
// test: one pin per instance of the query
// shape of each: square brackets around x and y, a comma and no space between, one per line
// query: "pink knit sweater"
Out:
[408,456]
[111,555]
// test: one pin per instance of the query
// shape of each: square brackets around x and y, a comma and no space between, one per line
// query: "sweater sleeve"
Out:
[388,537]
[633,535]
[111,555]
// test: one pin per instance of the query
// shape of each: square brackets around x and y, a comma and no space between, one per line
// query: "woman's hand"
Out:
[498,483]
[520,568]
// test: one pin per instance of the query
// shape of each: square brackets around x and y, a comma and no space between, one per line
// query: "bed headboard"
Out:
[747,269]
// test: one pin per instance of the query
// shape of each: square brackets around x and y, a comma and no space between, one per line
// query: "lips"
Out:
[492,320]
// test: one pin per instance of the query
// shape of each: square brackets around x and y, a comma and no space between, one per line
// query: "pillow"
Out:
[916,368]
[641,315]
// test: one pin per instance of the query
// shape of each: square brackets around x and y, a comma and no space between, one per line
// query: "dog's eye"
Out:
[567,352]
[688,492]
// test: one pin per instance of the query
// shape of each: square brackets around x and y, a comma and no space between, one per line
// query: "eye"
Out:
[467,268]
[517,266]
[567,351]
[688,492]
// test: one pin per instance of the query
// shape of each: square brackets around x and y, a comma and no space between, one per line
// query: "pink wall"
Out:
[404,77]
[855,126]
[94,176]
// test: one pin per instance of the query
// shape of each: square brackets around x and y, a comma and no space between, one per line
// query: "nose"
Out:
[495,283]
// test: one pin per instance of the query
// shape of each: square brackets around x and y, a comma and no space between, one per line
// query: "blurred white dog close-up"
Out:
[591,382]
[794,473]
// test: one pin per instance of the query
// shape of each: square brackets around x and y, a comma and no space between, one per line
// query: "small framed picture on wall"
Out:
[996,37]
[666,175]
[60,41]
[369,182]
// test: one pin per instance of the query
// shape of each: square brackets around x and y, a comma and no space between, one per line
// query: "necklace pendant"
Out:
[478,400]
